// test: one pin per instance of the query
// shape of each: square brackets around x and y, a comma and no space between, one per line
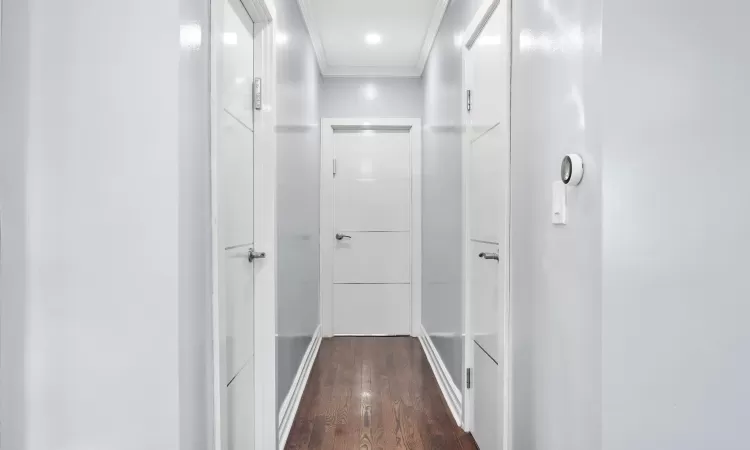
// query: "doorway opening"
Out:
[243,185]
[486,55]
[371,229]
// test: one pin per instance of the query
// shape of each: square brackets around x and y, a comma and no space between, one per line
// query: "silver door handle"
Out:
[494,256]
[340,236]
[252,255]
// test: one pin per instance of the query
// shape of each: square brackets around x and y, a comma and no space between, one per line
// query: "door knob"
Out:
[340,236]
[252,255]
[494,256]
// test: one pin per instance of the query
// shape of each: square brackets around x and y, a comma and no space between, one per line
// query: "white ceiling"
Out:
[338,29]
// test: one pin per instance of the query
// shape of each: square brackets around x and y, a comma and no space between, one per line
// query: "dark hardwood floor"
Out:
[369,393]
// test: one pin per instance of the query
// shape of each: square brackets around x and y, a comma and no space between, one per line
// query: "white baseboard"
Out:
[289,407]
[451,392]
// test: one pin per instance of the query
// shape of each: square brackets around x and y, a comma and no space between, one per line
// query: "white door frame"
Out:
[328,126]
[262,14]
[472,32]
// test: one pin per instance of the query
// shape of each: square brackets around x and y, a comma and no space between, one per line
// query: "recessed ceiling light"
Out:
[372,38]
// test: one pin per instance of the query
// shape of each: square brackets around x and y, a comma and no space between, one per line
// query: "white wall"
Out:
[194,238]
[630,322]
[298,194]
[371,97]
[14,74]
[441,189]
[114,290]
[556,271]
[676,340]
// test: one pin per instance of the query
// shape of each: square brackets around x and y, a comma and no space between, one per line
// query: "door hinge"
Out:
[468,100]
[468,378]
[258,94]
[334,167]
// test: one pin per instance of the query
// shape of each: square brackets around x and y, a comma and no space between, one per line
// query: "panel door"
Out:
[485,298]
[235,161]
[487,68]
[372,218]
[487,266]
[488,426]
[237,67]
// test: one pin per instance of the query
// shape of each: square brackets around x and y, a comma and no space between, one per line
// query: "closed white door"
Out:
[487,70]
[236,236]
[372,223]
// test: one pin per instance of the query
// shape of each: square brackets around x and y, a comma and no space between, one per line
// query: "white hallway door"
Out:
[372,221]
[235,164]
[487,64]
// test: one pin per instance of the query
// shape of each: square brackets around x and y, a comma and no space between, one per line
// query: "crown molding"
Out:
[373,71]
[259,10]
[376,72]
[312,30]
[432,31]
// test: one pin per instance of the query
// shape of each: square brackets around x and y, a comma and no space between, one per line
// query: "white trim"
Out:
[416,229]
[465,272]
[432,31]
[507,338]
[328,126]
[219,389]
[261,11]
[262,14]
[376,72]
[470,35]
[312,30]
[415,71]
[451,392]
[371,335]
[480,19]
[291,403]
[371,124]
[326,225]
[265,240]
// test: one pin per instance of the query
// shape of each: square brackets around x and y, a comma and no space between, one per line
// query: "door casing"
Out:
[328,127]
[262,14]
[470,35]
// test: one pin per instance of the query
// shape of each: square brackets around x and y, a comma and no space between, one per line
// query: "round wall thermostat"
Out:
[572,169]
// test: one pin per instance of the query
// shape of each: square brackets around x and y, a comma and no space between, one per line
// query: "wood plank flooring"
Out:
[374,393]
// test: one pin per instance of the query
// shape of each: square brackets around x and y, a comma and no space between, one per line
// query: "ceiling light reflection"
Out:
[190,36]
[571,41]
[490,40]
[230,38]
